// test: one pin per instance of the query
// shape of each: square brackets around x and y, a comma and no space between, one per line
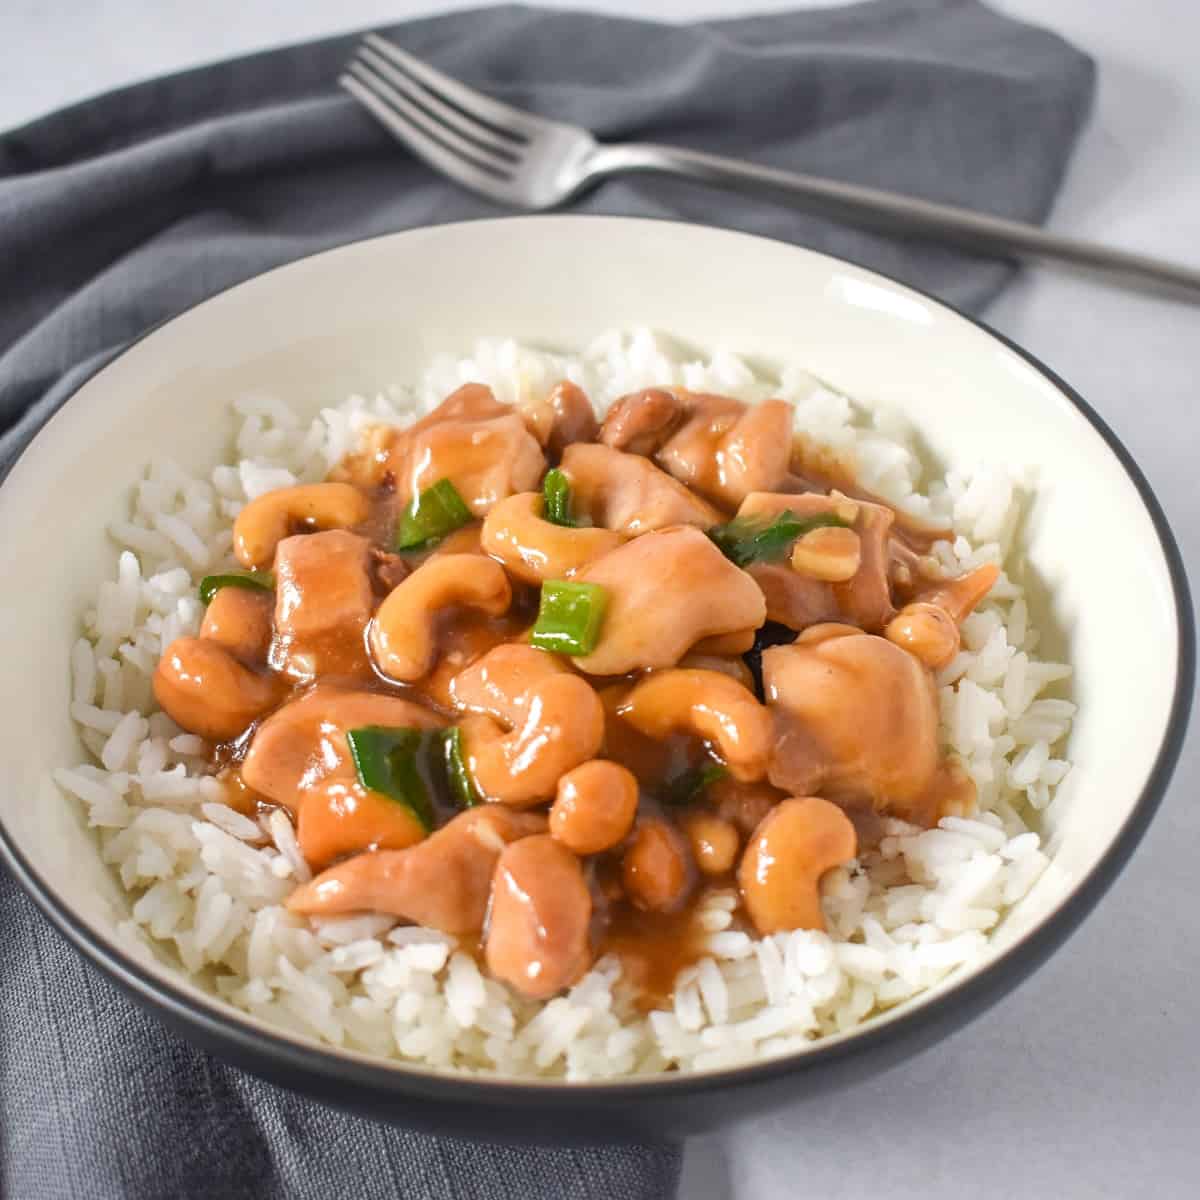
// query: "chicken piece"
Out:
[383,446]
[856,719]
[742,803]
[865,599]
[718,446]
[629,493]
[798,600]
[537,936]
[471,402]
[442,883]
[726,449]
[793,599]
[304,742]
[479,444]
[562,416]
[323,600]
[485,460]
[388,570]
[666,591]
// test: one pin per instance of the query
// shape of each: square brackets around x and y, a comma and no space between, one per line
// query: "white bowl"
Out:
[1098,550]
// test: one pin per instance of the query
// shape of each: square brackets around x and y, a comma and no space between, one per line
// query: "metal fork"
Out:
[519,159]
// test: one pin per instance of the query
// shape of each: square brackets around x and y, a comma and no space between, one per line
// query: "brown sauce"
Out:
[653,946]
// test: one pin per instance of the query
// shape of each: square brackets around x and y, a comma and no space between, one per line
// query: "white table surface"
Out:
[1086,1081]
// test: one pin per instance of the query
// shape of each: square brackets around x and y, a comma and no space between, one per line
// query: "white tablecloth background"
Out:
[1086,1081]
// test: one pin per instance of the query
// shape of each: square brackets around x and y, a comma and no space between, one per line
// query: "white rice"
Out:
[208,884]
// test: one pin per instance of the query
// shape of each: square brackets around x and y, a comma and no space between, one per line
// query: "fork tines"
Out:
[440,118]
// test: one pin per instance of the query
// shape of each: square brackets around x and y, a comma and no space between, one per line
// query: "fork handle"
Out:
[894,212]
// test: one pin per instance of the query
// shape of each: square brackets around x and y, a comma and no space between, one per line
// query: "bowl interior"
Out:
[357,318]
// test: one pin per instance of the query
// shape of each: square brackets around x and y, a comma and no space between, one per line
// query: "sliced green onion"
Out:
[462,786]
[746,540]
[435,512]
[556,498]
[395,763]
[569,617]
[685,788]
[259,581]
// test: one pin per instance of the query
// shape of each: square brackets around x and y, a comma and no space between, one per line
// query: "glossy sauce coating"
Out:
[619,784]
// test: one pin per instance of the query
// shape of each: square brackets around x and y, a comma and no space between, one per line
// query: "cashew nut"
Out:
[657,870]
[714,841]
[240,620]
[727,450]
[537,935]
[206,690]
[403,635]
[305,741]
[927,631]
[442,882]
[497,684]
[594,806]
[780,873]
[535,550]
[563,416]
[340,817]
[462,643]
[928,627]
[710,705]
[829,553]
[266,521]
[561,726]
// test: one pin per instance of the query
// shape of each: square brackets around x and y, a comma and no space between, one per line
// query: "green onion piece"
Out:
[746,540]
[569,617]
[260,581]
[462,786]
[556,498]
[394,762]
[436,511]
[685,788]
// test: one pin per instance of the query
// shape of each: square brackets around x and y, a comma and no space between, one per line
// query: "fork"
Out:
[525,161]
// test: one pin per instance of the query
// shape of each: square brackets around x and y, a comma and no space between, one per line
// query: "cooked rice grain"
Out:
[209,883]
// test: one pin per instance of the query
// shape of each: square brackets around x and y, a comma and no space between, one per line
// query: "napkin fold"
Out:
[120,212]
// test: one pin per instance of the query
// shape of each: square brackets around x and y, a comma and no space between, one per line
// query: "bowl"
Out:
[1101,562]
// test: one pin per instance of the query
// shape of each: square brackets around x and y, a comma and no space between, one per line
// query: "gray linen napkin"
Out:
[122,211]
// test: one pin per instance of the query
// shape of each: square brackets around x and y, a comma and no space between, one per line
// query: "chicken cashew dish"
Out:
[539,682]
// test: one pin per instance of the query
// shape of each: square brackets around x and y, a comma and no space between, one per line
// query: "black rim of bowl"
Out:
[959,1003]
